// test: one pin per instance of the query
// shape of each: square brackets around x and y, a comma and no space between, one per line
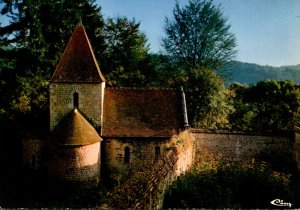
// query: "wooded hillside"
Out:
[252,73]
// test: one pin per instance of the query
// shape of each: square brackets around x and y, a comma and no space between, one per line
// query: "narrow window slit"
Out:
[127,155]
[75,100]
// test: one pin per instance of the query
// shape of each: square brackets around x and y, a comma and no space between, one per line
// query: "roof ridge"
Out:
[141,88]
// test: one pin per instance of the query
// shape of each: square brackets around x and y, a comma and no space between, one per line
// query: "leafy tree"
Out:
[38,37]
[207,102]
[268,105]
[277,104]
[164,73]
[198,35]
[229,186]
[33,41]
[199,43]
[243,116]
[126,53]
[31,45]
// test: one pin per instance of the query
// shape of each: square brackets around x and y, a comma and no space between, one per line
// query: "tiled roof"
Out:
[74,130]
[133,112]
[78,62]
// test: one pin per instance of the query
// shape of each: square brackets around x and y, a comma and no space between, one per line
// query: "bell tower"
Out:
[77,83]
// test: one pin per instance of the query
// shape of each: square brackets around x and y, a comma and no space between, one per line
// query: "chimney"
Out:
[184,110]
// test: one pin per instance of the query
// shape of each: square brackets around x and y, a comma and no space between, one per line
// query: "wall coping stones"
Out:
[233,132]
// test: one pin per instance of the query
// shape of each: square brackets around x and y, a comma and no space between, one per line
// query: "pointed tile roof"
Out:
[74,130]
[78,62]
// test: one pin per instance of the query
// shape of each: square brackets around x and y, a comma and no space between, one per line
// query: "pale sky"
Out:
[267,31]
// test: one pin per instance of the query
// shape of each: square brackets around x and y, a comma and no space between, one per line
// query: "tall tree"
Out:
[199,43]
[40,37]
[199,35]
[31,44]
[207,100]
[126,54]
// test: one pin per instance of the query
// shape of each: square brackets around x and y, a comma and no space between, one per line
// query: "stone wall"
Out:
[142,153]
[146,188]
[297,146]
[75,163]
[90,98]
[239,146]
[183,144]
[32,153]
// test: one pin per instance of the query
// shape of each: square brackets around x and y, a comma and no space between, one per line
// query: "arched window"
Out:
[127,155]
[75,100]
[157,151]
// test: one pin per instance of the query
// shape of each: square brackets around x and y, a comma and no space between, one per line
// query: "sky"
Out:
[267,31]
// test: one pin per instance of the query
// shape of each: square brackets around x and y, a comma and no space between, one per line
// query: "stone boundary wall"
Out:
[32,149]
[141,154]
[146,189]
[240,146]
[297,146]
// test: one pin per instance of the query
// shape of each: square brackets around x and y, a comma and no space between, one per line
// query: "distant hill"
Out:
[253,73]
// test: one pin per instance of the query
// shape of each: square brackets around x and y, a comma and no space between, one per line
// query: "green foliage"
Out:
[206,99]
[198,43]
[231,186]
[38,37]
[164,73]
[31,93]
[279,159]
[30,46]
[126,51]
[198,35]
[268,105]
[35,38]
[244,113]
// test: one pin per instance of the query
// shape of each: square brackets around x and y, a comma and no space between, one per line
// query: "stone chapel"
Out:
[96,129]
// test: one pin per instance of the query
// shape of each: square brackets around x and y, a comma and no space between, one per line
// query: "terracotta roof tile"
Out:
[78,62]
[74,130]
[133,112]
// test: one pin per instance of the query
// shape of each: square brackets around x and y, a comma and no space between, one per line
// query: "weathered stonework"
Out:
[183,145]
[239,146]
[297,146]
[90,97]
[145,188]
[80,163]
[32,153]
[142,153]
